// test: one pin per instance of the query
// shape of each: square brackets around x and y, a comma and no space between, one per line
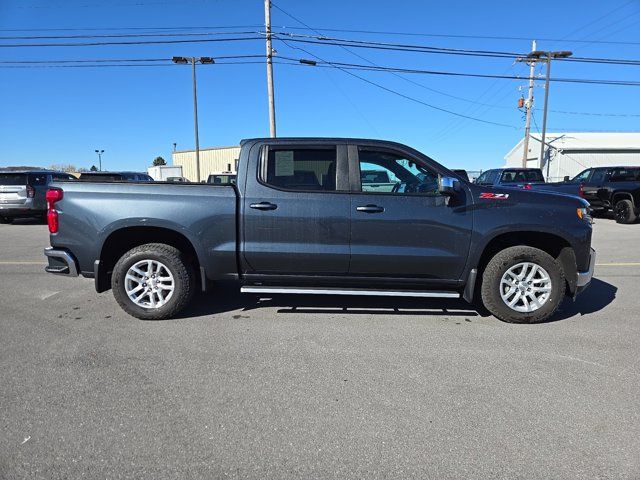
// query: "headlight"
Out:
[583,214]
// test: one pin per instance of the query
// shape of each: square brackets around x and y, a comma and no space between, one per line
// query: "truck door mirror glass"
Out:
[447,185]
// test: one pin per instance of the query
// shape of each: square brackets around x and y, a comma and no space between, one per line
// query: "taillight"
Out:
[53,195]
[527,186]
[581,190]
[31,192]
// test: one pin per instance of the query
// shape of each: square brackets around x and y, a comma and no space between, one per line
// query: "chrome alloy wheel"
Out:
[149,284]
[525,287]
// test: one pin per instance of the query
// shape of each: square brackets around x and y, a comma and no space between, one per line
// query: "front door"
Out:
[402,227]
[296,210]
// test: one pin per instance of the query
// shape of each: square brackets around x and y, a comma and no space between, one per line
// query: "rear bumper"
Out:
[60,262]
[584,278]
[8,210]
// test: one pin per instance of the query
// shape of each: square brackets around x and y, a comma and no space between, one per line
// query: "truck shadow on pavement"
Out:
[227,298]
[595,298]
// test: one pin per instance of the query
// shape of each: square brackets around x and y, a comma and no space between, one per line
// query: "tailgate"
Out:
[13,194]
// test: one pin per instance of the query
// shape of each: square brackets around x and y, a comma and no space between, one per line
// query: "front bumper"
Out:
[584,278]
[60,262]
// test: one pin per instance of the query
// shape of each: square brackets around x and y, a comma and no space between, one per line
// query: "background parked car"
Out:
[22,193]
[177,179]
[115,177]
[614,189]
[511,177]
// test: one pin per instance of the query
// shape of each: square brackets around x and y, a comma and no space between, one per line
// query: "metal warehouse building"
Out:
[212,160]
[567,154]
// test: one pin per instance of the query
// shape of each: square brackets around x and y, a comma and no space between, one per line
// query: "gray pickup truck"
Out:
[301,220]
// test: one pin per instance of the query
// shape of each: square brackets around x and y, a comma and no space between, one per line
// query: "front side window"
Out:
[386,172]
[488,177]
[301,169]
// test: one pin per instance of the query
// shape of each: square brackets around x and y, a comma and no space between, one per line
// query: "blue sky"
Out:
[61,115]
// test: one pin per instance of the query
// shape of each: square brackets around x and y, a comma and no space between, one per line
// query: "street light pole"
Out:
[195,117]
[100,152]
[193,60]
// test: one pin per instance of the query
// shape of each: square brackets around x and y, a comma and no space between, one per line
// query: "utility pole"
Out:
[272,104]
[537,56]
[193,60]
[100,152]
[528,107]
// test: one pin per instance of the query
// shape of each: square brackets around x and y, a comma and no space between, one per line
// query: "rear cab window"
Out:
[521,176]
[299,168]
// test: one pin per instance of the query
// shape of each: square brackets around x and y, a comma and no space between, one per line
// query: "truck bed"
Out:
[91,213]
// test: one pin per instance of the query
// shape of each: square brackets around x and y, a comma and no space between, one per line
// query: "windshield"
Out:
[13,179]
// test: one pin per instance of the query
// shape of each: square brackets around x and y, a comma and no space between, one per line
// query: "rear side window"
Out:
[13,179]
[301,169]
[516,176]
[37,178]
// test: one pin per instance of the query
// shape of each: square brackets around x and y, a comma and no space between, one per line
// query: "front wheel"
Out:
[624,212]
[522,285]
[6,220]
[153,281]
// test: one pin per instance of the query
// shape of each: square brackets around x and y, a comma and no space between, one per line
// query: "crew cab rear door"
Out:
[412,231]
[295,209]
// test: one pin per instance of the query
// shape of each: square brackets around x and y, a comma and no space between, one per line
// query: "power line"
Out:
[116,60]
[355,66]
[408,80]
[140,42]
[442,35]
[402,95]
[127,35]
[413,48]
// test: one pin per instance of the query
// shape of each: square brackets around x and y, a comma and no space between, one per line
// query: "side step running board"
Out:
[352,291]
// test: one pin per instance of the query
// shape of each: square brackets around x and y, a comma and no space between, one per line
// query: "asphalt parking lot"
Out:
[308,387]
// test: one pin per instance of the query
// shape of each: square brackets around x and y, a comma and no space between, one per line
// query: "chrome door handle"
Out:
[370,209]
[264,206]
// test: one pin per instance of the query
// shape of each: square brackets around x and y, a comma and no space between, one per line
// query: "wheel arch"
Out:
[555,245]
[120,240]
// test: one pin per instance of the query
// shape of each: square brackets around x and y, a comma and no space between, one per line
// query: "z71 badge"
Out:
[494,196]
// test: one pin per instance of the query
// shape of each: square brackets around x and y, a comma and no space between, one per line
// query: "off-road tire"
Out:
[504,260]
[623,212]
[175,261]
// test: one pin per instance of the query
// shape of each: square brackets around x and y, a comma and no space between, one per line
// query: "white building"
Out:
[567,154]
[212,160]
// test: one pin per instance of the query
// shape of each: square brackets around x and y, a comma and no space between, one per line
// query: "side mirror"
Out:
[447,185]
[566,178]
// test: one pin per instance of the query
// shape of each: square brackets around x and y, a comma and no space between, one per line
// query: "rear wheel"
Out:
[6,220]
[153,281]
[624,212]
[522,285]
